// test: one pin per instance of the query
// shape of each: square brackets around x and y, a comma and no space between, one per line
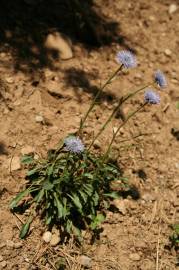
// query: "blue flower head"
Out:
[74,144]
[127,59]
[151,97]
[160,79]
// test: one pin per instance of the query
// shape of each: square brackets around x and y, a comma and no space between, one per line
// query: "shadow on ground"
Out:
[25,24]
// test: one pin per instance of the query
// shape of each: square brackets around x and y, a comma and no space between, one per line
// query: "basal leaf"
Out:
[18,198]
[59,206]
[76,201]
[97,220]
[27,159]
[25,229]
[39,196]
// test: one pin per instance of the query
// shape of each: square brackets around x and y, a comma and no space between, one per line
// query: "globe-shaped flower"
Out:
[160,79]
[151,97]
[74,145]
[126,58]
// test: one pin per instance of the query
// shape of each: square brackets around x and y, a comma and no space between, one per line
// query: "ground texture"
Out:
[41,102]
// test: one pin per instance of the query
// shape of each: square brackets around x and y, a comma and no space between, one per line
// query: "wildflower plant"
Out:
[72,186]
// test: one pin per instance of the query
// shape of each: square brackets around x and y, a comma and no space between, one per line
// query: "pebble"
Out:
[3,264]
[97,144]
[167,52]
[85,261]
[134,257]
[18,245]
[47,236]
[39,119]
[120,205]
[61,44]
[15,163]
[9,80]
[1,258]
[172,8]
[54,240]
[27,150]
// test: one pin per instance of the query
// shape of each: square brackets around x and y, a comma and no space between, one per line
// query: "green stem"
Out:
[96,97]
[115,133]
[121,101]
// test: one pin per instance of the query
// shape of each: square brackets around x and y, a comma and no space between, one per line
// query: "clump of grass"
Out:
[174,237]
[72,186]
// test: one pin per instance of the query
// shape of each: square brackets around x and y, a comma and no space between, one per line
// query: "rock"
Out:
[27,150]
[18,245]
[85,261]
[47,236]
[15,163]
[54,240]
[134,257]
[172,8]
[3,264]
[120,205]
[9,80]
[61,44]
[1,258]
[97,144]
[167,52]
[39,119]
[54,89]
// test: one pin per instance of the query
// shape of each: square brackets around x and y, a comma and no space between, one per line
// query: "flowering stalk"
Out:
[117,131]
[121,101]
[96,97]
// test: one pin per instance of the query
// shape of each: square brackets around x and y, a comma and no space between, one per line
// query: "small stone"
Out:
[172,8]
[9,80]
[134,257]
[10,244]
[115,129]
[1,258]
[167,52]
[177,165]
[54,240]
[47,236]
[60,43]
[18,245]
[120,205]
[97,144]
[3,264]
[85,261]
[27,150]
[39,119]
[15,163]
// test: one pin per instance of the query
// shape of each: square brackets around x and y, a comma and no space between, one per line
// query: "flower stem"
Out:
[96,97]
[121,101]
[115,133]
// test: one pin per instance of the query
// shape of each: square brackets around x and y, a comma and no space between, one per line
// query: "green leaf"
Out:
[88,175]
[95,198]
[31,172]
[59,206]
[50,170]
[97,220]
[25,229]
[76,201]
[18,198]
[27,159]
[83,195]
[47,185]
[88,188]
[39,196]
[113,195]
[48,220]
